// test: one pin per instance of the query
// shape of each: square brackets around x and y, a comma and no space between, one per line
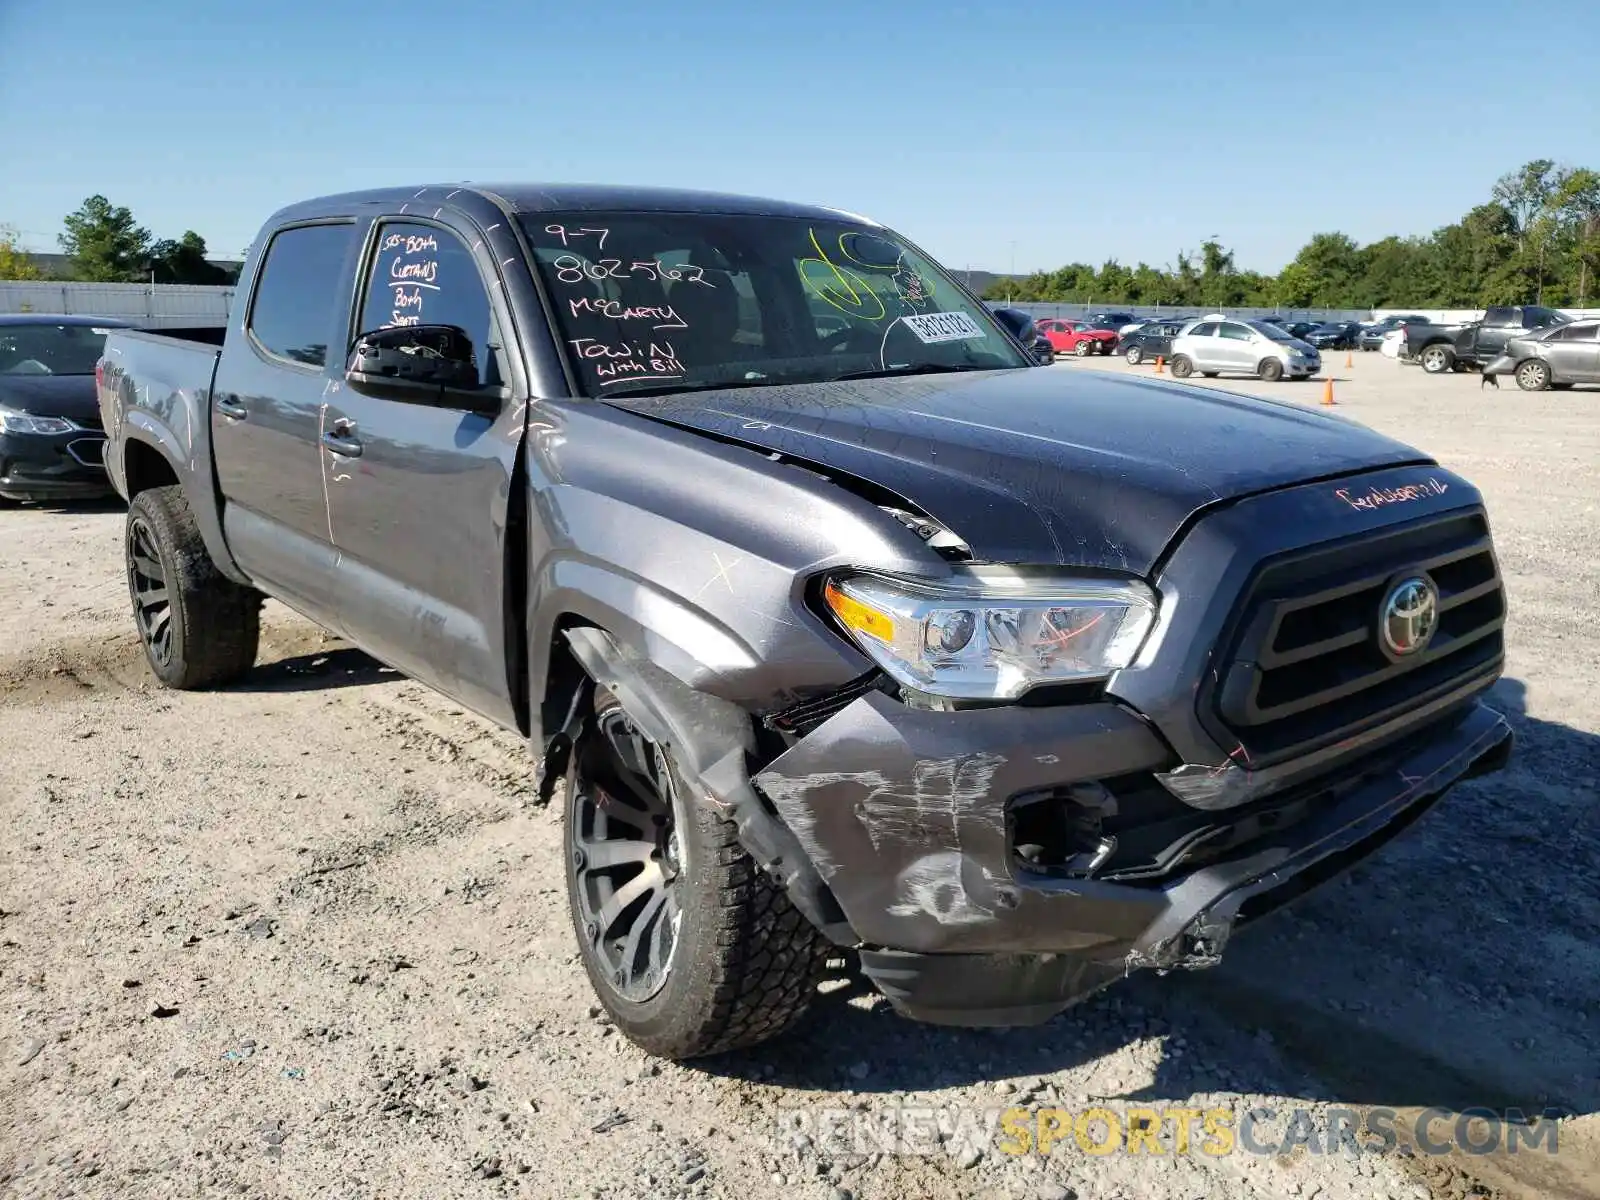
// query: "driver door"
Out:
[417,492]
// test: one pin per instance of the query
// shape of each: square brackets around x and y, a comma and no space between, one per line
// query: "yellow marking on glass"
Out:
[855,298]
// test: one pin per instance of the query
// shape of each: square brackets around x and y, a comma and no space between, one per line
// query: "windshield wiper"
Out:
[916,369]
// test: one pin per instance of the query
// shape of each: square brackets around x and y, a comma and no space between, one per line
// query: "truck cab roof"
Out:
[521,198]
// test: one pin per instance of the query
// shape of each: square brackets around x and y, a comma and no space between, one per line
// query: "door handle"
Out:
[349,447]
[230,406]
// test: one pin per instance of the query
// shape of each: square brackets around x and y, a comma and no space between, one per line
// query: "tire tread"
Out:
[221,620]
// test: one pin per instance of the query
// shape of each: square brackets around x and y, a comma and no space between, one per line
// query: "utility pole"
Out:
[1011,279]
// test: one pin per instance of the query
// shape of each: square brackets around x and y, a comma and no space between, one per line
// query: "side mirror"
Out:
[420,364]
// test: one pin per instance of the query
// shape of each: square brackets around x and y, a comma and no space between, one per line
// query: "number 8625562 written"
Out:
[569,268]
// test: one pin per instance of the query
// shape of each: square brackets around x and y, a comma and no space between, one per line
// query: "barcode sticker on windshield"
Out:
[944,327]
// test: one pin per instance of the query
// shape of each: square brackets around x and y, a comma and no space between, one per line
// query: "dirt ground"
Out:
[306,936]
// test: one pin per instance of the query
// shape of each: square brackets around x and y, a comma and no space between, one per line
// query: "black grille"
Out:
[1305,667]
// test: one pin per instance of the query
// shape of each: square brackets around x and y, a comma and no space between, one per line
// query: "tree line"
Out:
[103,243]
[1535,241]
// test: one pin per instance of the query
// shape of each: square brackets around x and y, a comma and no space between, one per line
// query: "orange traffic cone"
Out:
[1158,364]
[1327,392]
[1349,360]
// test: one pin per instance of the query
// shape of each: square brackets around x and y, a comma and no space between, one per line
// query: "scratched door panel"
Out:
[417,493]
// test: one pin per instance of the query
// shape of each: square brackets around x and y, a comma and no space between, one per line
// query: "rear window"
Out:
[298,295]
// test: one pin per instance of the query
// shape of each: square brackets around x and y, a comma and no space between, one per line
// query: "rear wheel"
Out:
[1211,374]
[1533,376]
[1270,369]
[1182,366]
[1436,360]
[690,947]
[1135,356]
[197,626]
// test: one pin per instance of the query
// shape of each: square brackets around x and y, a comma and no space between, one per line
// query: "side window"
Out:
[1205,329]
[299,293]
[425,275]
[1581,332]
[1239,333]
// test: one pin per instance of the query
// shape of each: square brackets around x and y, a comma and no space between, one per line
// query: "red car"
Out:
[1069,336]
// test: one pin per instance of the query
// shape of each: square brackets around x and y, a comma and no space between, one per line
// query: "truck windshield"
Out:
[50,349]
[682,301]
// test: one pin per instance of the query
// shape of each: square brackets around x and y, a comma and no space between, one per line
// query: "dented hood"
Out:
[1059,466]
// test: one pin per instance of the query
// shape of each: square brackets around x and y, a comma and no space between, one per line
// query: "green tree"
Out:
[1525,193]
[184,261]
[1577,199]
[15,262]
[105,244]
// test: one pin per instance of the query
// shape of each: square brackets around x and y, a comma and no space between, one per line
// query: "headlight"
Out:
[993,635]
[12,421]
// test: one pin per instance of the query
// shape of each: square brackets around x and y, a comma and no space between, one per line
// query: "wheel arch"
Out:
[713,743]
[149,455]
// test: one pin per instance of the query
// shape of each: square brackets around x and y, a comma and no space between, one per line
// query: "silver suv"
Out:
[1217,344]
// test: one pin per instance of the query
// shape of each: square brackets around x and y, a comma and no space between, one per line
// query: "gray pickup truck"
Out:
[1475,344]
[849,629]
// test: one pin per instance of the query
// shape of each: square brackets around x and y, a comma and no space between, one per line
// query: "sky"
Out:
[1046,135]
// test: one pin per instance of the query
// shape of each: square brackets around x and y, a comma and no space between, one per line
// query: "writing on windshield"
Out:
[708,300]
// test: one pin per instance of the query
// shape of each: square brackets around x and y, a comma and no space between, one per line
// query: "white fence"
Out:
[159,306]
[170,304]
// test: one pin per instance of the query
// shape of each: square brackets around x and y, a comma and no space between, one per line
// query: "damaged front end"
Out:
[930,830]
[1000,859]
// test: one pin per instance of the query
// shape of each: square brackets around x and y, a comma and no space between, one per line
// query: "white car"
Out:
[1216,345]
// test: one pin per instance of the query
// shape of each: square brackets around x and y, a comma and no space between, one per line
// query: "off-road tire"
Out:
[1437,359]
[214,623]
[746,963]
[1182,366]
[1270,370]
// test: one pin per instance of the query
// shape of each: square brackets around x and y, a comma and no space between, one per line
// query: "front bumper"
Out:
[59,466]
[907,816]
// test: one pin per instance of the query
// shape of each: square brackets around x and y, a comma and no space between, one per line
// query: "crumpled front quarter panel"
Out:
[698,554]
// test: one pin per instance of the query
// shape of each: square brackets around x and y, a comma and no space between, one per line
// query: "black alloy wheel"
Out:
[627,857]
[147,582]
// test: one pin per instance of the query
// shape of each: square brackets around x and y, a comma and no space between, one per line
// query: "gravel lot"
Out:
[306,936]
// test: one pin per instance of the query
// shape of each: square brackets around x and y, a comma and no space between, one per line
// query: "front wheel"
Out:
[1270,370]
[1533,376]
[1182,366]
[1084,348]
[197,626]
[691,948]
[1135,356]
